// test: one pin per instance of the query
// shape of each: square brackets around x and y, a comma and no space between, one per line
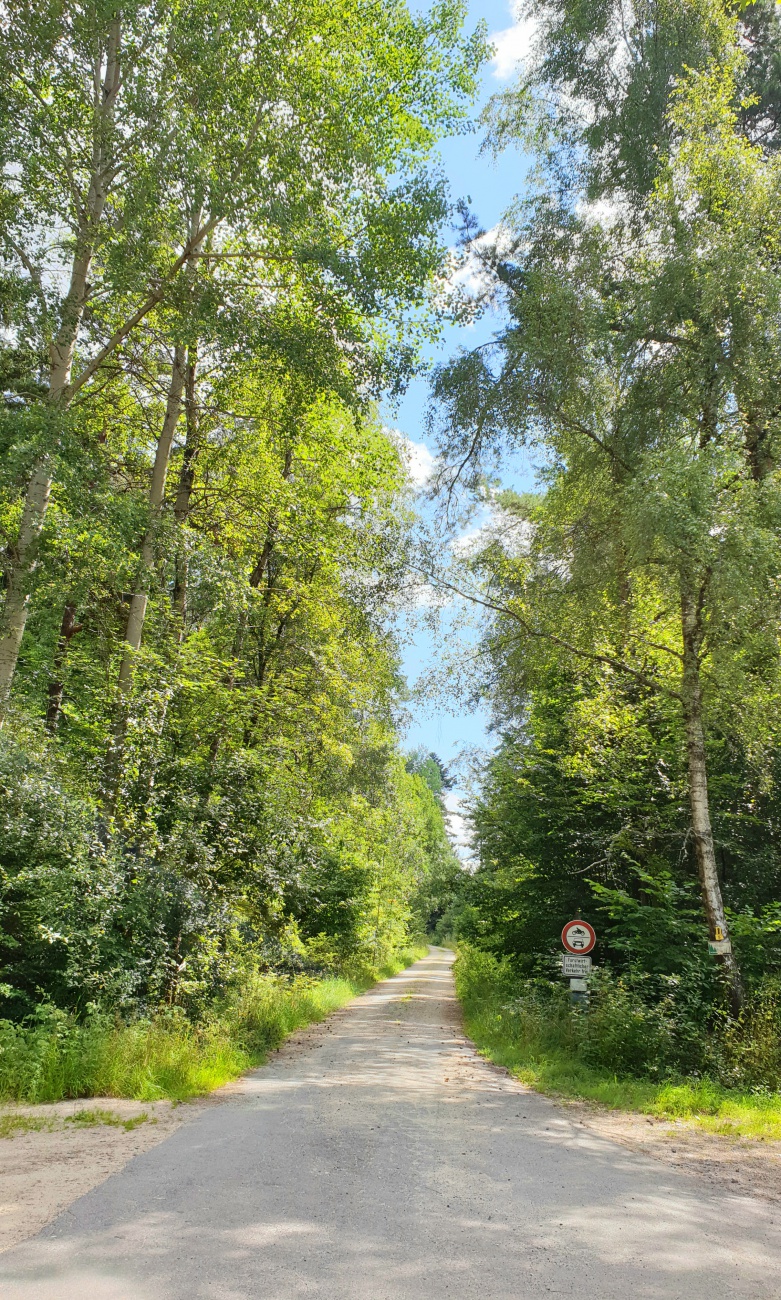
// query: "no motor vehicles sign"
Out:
[578,937]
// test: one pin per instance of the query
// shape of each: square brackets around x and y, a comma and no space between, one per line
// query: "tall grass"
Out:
[545,1044]
[167,1056]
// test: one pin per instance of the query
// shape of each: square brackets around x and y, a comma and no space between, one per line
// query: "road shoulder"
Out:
[73,1147]
[749,1166]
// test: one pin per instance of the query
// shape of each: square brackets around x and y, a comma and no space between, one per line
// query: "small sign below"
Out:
[719,946]
[578,986]
[578,936]
[573,965]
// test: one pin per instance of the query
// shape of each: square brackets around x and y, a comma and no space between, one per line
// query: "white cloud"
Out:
[471,271]
[512,533]
[602,212]
[457,824]
[418,460]
[424,595]
[512,46]
[472,541]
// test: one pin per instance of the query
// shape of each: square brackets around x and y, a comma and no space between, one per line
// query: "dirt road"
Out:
[378,1158]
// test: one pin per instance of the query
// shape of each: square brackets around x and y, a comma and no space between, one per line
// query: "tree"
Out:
[141,135]
[225,230]
[641,355]
[599,83]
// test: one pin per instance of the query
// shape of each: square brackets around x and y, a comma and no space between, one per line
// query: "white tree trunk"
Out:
[20,572]
[691,621]
[134,628]
[135,623]
[184,491]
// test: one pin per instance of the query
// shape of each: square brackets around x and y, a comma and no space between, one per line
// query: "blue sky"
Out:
[490,186]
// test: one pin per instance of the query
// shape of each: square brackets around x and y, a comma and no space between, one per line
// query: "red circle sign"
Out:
[578,936]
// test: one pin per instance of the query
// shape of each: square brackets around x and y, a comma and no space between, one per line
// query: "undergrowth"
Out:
[547,1044]
[168,1056]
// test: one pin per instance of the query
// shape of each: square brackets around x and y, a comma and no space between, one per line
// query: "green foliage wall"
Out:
[631,658]
[220,244]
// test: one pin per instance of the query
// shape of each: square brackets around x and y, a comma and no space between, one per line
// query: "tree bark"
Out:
[21,566]
[756,444]
[691,623]
[261,570]
[134,627]
[138,602]
[68,629]
[184,488]
[24,554]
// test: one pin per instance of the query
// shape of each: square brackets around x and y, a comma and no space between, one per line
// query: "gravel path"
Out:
[378,1158]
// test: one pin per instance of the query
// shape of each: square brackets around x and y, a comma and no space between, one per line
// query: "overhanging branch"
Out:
[591,656]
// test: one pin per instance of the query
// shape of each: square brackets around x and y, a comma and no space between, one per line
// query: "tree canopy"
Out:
[632,653]
[221,239]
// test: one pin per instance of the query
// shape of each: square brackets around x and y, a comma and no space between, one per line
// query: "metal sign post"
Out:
[578,938]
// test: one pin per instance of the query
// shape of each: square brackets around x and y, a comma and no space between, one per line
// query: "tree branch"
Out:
[33,271]
[149,303]
[592,656]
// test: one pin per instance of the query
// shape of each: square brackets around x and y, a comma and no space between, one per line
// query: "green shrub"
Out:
[625,1034]
[562,1050]
[638,1029]
[56,1055]
[750,1047]
[478,974]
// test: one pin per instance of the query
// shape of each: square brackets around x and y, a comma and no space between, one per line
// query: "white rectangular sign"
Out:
[572,965]
[578,986]
[719,946]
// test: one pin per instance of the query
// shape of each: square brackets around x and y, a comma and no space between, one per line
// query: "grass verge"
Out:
[541,1051]
[167,1056]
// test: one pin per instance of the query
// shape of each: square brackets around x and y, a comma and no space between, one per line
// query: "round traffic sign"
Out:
[578,936]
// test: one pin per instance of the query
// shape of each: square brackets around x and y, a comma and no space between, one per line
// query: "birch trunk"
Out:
[20,571]
[24,554]
[691,621]
[138,603]
[184,489]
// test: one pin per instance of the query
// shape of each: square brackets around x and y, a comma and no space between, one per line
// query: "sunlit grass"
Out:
[11,1125]
[167,1056]
[560,1073]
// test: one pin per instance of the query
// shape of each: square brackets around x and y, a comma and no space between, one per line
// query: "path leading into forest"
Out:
[378,1158]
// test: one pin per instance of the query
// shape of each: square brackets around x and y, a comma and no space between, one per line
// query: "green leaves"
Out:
[244,200]
[633,641]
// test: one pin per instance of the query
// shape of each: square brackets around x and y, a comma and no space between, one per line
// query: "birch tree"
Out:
[642,358]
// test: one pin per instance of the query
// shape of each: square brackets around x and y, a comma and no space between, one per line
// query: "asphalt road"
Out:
[381,1159]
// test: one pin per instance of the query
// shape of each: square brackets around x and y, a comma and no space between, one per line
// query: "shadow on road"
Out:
[381,1159]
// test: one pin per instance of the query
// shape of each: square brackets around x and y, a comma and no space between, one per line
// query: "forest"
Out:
[220,229]
[226,244]
[630,652]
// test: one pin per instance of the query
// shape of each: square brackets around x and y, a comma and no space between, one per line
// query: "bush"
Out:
[56,1055]
[750,1047]
[623,1033]
[639,1027]
[479,975]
